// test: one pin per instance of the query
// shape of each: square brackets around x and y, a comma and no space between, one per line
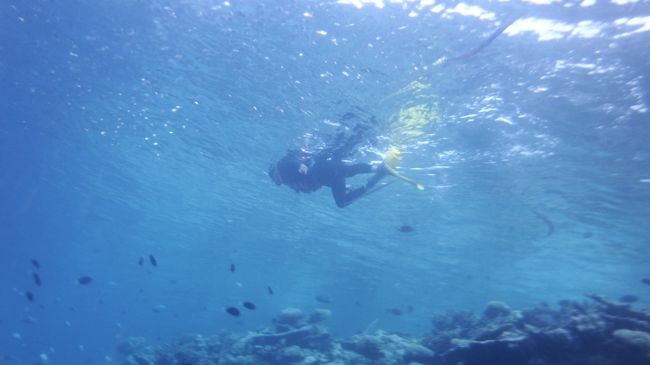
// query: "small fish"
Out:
[645,281]
[268,288]
[323,298]
[405,228]
[36,264]
[37,279]
[233,311]
[85,280]
[394,311]
[629,298]
[232,267]
[587,235]
[29,295]
[159,308]
[153,260]
[249,305]
[140,260]
[29,320]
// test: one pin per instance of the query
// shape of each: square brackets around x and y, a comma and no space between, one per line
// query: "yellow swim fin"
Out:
[392,158]
[391,161]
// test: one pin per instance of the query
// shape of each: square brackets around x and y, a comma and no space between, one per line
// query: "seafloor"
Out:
[595,332]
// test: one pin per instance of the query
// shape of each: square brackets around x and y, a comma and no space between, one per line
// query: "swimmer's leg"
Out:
[344,196]
[364,168]
[359,168]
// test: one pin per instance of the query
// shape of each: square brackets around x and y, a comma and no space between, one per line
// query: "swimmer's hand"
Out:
[303,169]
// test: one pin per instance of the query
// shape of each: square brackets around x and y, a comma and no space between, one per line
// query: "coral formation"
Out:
[598,332]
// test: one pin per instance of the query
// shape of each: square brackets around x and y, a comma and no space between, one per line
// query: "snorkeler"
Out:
[306,172]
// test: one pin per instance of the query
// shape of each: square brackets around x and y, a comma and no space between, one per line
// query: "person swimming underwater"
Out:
[306,172]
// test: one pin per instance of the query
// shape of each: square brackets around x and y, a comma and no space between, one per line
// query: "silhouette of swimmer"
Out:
[306,172]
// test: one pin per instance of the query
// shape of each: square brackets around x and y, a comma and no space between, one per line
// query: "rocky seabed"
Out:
[594,332]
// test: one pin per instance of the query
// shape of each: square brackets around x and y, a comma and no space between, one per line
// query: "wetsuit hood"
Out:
[287,171]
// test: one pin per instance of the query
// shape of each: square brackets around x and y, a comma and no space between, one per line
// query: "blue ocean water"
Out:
[139,128]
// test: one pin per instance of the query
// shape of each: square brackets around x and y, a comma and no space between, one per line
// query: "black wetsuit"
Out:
[306,172]
[330,172]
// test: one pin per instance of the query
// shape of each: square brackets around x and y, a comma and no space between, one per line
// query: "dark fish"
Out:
[645,281]
[29,295]
[394,311]
[153,260]
[37,279]
[323,298]
[629,298]
[232,268]
[36,264]
[349,115]
[587,235]
[140,260]
[269,290]
[405,228]
[249,305]
[84,280]
[233,311]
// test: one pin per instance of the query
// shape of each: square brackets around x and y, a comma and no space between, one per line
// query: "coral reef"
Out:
[599,332]
[389,349]
[596,332]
